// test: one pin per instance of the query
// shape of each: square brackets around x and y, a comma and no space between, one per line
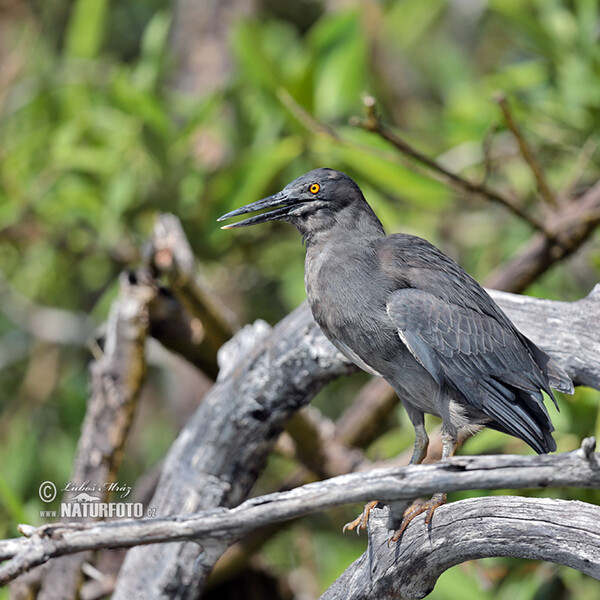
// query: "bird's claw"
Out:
[415,509]
[356,524]
[361,521]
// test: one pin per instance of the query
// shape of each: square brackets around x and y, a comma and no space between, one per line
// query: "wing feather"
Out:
[478,355]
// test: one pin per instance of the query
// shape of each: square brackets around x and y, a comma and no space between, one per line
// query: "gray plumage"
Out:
[400,308]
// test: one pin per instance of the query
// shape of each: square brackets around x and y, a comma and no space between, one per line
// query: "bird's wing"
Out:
[412,262]
[479,356]
[355,358]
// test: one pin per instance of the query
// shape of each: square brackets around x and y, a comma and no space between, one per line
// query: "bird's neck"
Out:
[350,223]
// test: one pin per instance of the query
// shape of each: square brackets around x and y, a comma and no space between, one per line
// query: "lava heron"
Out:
[401,309]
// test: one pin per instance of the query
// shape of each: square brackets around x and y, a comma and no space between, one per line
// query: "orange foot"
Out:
[361,521]
[416,509]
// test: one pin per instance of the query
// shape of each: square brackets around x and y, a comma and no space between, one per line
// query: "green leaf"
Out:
[408,20]
[248,45]
[146,74]
[85,31]
[341,57]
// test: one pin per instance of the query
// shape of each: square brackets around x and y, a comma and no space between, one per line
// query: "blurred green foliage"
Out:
[95,139]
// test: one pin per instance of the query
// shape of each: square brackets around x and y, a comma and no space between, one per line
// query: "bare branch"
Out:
[468,530]
[204,324]
[116,378]
[571,226]
[265,376]
[215,529]
[526,152]
[481,190]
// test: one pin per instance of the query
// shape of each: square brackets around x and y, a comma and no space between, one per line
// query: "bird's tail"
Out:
[557,377]
[520,413]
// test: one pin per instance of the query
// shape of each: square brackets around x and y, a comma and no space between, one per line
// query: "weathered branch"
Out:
[265,376]
[558,531]
[215,529]
[116,378]
[186,318]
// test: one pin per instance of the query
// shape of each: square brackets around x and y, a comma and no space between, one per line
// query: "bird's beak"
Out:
[281,204]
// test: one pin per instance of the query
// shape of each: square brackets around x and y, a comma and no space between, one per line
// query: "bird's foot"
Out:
[361,521]
[415,510]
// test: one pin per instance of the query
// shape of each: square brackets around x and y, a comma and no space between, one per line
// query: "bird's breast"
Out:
[347,295]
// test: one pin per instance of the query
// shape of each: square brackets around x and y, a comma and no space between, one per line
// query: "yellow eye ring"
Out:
[314,188]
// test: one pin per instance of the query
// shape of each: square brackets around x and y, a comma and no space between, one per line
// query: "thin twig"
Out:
[372,123]
[488,141]
[314,125]
[526,152]
[309,121]
[583,158]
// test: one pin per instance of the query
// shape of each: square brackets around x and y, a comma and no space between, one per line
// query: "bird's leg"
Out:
[361,521]
[449,445]
[421,442]
[419,453]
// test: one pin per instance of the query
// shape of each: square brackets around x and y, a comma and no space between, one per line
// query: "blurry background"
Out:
[111,112]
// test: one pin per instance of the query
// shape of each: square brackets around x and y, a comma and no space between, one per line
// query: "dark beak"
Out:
[281,204]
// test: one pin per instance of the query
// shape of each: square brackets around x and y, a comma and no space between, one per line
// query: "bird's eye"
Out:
[314,188]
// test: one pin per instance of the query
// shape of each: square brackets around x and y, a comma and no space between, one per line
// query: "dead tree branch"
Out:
[186,318]
[217,528]
[468,530]
[116,379]
[266,375]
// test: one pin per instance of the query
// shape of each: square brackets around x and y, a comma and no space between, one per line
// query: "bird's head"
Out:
[313,202]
